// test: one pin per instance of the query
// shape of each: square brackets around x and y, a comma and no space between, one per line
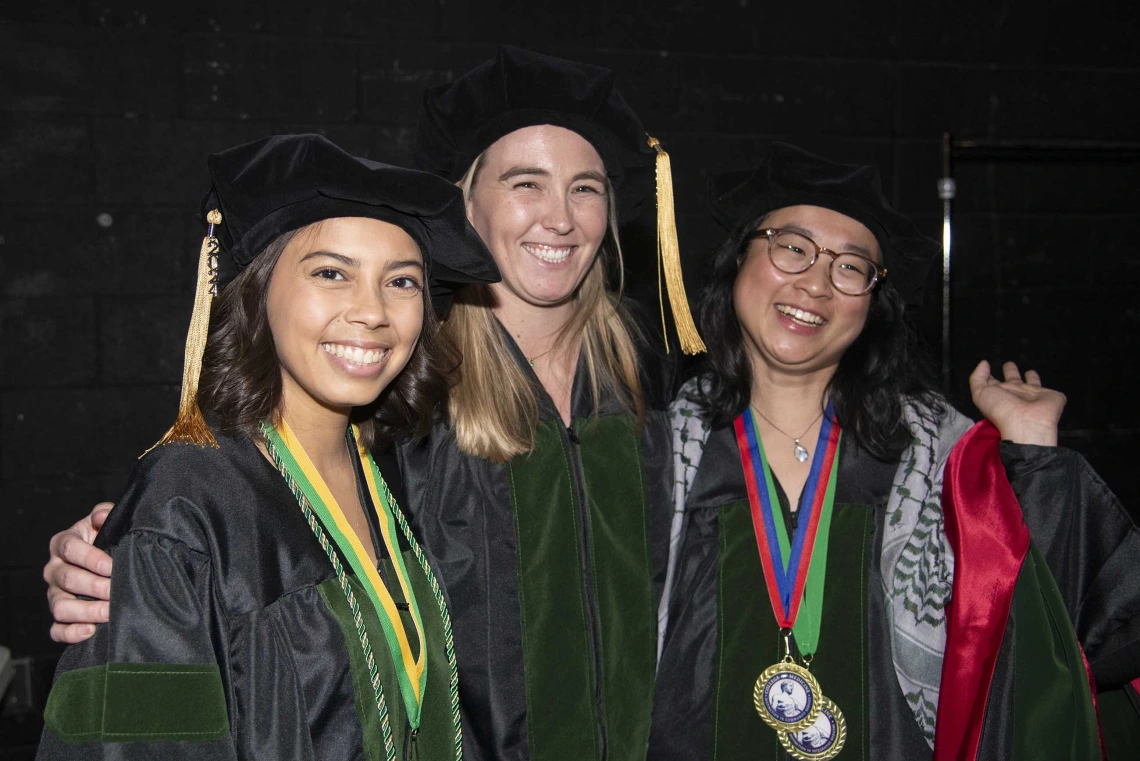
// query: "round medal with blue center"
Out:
[787,697]
[820,741]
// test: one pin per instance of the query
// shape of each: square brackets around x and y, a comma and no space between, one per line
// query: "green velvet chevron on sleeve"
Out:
[138,702]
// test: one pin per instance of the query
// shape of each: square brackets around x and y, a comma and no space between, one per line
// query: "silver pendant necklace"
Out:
[798,449]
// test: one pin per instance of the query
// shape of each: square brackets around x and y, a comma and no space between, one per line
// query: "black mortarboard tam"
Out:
[519,88]
[790,176]
[272,186]
[282,183]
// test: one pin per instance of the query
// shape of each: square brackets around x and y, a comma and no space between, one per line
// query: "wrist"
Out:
[1041,435]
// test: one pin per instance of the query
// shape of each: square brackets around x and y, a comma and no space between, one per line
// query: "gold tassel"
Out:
[669,259]
[190,427]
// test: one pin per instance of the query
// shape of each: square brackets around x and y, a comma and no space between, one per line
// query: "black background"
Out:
[109,107]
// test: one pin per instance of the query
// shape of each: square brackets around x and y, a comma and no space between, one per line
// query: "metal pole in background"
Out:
[946,191]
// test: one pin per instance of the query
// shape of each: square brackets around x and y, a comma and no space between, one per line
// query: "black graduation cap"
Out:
[272,186]
[519,88]
[790,176]
[282,183]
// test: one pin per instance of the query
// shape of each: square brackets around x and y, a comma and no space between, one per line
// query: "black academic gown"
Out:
[553,565]
[722,632]
[230,637]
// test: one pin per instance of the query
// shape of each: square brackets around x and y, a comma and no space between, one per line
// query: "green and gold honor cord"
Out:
[327,520]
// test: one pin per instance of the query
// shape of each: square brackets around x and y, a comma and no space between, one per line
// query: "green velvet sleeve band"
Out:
[138,702]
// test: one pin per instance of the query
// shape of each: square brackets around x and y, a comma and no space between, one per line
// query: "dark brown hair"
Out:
[241,376]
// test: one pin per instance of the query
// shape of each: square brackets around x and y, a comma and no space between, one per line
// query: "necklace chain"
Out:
[537,357]
[795,439]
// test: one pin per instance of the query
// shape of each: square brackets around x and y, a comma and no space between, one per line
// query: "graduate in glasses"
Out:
[855,576]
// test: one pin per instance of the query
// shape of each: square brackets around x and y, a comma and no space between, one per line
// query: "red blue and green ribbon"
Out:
[795,566]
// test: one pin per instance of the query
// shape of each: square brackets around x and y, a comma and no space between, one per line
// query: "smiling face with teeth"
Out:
[539,201]
[345,307]
[799,322]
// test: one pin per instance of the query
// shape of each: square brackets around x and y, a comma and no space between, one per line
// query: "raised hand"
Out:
[1024,411]
[78,568]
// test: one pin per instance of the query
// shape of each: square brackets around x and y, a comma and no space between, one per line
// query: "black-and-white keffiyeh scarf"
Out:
[917,564]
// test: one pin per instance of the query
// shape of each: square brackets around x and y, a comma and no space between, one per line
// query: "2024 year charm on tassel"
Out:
[822,740]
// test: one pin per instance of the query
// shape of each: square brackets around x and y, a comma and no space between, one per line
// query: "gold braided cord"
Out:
[669,257]
[190,427]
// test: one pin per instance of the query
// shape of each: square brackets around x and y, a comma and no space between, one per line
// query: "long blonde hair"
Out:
[493,405]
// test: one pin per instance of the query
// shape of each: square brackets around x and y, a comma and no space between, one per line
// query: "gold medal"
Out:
[787,697]
[820,741]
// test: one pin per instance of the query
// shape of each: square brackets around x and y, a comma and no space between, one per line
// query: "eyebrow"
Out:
[540,172]
[515,171]
[399,264]
[348,261]
[853,248]
[596,176]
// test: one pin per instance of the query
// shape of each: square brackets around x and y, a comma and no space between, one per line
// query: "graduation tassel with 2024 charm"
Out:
[190,427]
[787,695]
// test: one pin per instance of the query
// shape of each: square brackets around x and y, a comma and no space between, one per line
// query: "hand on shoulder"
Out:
[76,567]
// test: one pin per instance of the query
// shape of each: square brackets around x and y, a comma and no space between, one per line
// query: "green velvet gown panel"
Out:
[723,633]
[553,564]
[749,638]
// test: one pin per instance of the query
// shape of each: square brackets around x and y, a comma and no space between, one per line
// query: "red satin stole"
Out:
[990,540]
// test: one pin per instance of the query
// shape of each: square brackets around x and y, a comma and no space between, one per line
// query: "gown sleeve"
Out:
[1092,547]
[149,684]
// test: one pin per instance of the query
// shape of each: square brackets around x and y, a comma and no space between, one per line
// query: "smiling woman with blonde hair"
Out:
[551,534]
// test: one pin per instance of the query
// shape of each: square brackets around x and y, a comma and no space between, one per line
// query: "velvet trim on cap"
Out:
[519,88]
[790,176]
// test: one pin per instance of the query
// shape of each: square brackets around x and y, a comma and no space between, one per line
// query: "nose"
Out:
[557,216]
[816,279]
[367,307]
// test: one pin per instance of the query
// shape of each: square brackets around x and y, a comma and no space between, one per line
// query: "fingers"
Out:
[66,609]
[1011,373]
[74,580]
[75,619]
[78,551]
[71,633]
[980,378]
[99,514]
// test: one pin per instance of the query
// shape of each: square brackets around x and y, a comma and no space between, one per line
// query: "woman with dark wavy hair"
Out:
[269,598]
[855,571]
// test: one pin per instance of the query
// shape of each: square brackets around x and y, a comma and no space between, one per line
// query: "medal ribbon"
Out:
[792,564]
[411,673]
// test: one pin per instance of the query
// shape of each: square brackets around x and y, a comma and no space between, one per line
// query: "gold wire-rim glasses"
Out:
[770,234]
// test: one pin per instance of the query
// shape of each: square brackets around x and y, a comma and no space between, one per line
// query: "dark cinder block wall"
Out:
[108,109]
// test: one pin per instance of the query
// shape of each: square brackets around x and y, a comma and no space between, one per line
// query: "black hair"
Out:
[882,369]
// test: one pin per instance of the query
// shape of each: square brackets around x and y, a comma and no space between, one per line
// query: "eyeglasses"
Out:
[791,252]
